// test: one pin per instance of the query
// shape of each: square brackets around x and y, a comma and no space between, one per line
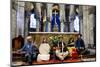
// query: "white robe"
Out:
[76,24]
[32,21]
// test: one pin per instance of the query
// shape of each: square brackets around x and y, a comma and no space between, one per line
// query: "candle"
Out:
[62,47]
[58,44]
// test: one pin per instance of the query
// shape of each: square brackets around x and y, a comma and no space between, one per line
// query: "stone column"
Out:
[13,18]
[20,18]
[85,25]
[91,25]
[71,16]
[62,16]
[81,19]
[88,25]
[27,17]
[49,10]
[46,28]
[38,11]
[26,26]
[13,23]
[49,16]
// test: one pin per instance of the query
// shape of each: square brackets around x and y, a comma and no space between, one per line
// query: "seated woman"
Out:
[44,50]
[62,51]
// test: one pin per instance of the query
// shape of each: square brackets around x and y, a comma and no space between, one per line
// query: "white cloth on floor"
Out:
[43,57]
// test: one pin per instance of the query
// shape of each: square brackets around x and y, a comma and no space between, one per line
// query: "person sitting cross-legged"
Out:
[62,51]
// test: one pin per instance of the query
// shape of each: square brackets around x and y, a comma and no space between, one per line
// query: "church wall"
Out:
[88,25]
[20,18]
[85,25]
[13,23]
[92,25]
[19,24]
[13,18]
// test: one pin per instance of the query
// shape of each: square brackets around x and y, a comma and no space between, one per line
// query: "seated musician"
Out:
[44,50]
[31,51]
[62,51]
[79,44]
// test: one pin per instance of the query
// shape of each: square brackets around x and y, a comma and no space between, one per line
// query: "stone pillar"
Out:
[88,25]
[49,16]
[91,25]
[38,11]
[26,26]
[71,16]
[62,16]
[91,33]
[49,10]
[13,18]
[27,17]
[20,18]
[13,23]
[85,25]
[81,19]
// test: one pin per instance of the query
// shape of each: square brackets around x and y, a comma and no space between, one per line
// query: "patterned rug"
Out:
[70,60]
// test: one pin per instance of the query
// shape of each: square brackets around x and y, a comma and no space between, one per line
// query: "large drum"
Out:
[44,50]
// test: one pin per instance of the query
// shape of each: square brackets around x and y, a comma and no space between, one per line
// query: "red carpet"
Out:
[57,61]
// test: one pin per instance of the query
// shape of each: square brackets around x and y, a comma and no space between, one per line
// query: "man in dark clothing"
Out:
[79,44]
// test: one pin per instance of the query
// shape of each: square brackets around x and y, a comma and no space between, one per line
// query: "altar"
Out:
[68,38]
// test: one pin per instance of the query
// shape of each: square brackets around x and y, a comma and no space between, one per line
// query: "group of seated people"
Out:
[45,52]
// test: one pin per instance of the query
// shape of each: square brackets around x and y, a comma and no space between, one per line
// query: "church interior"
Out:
[53,23]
